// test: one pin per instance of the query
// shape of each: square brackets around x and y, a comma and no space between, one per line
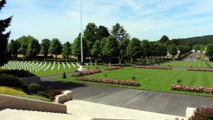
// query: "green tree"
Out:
[4,36]
[45,43]
[172,49]
[90,36]
[134,49]
[102,32]
[55,48]
[184,49]
[123,49]
[76,48]
[196,47]
[164,39]
[13,48]
[119,32]
[146,49]
[33,48]
[110,49]
[209,51]
[24,41]
[96,51]
[66,51]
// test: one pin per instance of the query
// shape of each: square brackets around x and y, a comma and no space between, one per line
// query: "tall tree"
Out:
[172,49]
[123,49]
[90,36]
[134,49]
[110,49]
[96,50]
[4,36]
[24,41]
[55,48]
[146,49]
[164,39]
[102,32]
[66,51]
[209,51]
[76,47]
[13,48]
[33,48]
[45,43]
[119,32]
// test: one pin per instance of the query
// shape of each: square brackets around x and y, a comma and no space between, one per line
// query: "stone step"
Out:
[15,114]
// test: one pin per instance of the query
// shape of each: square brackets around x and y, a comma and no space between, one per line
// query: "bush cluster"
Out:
[12,81]
[200,69]
[86,72]
[105,80]
[18,73]
[192,89]
[152,67]
[37,89]
[202,114]
[113,67]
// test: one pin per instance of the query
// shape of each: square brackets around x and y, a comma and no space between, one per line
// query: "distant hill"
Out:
[204,40]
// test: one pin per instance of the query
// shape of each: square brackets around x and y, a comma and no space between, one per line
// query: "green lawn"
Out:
[20,93]
[186,64]
[157,80]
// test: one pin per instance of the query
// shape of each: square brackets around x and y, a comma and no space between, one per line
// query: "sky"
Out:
[143,19]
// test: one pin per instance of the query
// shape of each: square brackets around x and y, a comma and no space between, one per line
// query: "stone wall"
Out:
[7,101]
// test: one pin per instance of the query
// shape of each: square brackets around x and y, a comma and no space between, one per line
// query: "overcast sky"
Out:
[144,19]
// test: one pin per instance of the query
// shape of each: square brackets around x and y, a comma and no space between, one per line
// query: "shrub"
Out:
[133,78]
[105,80]
[152,67]
[64,76]
[18,73]
[192,89]
[34,88]
[49,93]
[86,72]
[113,68]
[179,81]
[12,81]
[202,114]
[105,75]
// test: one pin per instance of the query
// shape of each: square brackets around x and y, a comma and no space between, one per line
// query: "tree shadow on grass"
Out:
[63,85]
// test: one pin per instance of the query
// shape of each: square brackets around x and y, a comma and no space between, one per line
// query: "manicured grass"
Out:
[20,93]
[186,64]
[11,91]
[155,79]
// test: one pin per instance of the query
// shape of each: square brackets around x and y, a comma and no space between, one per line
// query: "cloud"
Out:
[145,19]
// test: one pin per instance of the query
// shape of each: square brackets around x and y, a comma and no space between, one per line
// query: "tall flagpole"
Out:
[81,37]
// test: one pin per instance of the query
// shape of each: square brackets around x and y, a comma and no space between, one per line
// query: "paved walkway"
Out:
[160,102]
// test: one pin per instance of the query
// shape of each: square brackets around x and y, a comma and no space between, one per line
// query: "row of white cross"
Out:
[36,66]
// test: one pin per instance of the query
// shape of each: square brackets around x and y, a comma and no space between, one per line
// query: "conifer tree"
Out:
[4,36]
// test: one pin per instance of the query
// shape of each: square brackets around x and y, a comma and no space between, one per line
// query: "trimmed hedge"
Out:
[18,73]
[12,81]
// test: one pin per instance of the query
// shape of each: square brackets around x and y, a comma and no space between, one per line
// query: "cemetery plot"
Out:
[41,68]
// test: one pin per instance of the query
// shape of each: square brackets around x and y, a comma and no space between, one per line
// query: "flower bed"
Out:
[152,67]
[86,72]
[192,89]
[200,69]
[202,114]
[105,80]
[113,68]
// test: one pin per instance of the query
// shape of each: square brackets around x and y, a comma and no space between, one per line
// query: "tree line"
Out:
[99,44]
